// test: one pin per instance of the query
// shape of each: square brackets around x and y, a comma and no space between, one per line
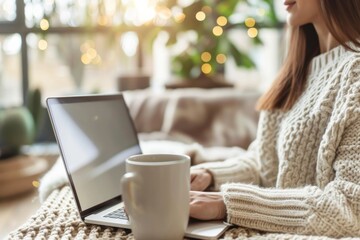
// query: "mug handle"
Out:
[127,182]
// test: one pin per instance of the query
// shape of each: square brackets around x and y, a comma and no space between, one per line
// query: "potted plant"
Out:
[209,23]
[18,126]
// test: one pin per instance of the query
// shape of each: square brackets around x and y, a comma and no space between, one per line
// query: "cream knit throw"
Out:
[304,166]
[58,219]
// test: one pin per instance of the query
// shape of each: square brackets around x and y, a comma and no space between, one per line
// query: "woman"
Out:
[302,173]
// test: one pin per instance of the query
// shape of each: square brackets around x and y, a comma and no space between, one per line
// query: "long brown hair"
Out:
[343,21]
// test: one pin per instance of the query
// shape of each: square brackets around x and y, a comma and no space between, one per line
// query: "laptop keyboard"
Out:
[117,214]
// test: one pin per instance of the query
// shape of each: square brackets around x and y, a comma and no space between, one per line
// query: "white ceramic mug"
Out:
[156,195]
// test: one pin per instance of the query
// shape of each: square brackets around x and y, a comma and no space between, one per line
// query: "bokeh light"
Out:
[220,58]
[206,68]
[164,12]
[221,21]
[89,53]
[179,18]
[205,56]
[86,45]
[85,59]
[42,44]
[250,22]
[103,21]
[44,24]
[252,32]
[200,16]
[35,183]
[217,31]
[97,60]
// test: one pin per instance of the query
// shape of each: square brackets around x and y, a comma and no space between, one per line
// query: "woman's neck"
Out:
[326,39]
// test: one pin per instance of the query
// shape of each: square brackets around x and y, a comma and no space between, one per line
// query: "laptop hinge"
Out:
[100,207]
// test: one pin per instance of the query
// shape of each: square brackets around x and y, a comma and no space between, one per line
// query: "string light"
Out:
[206,68]
[221,21]
[205,56]
[179,18]
[85,59]
[103,21]
[250,22]
[90,55]
[220,58]
[217,31]
[252,32]
[42,44]
[86,45]
[200,16]
[44,24]
[91,52]
[35,184]
[97,60]
[164,12]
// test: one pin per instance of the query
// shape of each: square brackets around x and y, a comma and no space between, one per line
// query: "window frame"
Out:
[18,26]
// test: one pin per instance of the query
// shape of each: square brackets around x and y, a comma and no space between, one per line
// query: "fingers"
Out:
[200,179]
[207,206]
[197,207]
[197,184]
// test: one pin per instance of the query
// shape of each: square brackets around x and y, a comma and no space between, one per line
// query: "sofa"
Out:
[217,117]
[207,125]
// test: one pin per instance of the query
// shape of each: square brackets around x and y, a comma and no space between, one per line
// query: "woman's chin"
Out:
[293,22]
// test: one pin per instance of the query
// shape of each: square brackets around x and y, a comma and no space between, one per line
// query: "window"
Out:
[75,46]
[67,46]
[7,10]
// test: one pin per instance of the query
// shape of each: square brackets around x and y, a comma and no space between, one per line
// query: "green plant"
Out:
[35,107]
[16,129]
[211,21]
[19,125]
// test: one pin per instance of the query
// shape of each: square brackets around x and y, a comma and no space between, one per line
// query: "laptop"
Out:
[95,134]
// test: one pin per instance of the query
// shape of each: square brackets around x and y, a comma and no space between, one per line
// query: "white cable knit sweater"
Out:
[304,166]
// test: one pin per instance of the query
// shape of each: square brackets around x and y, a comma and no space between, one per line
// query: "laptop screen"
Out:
[95,135]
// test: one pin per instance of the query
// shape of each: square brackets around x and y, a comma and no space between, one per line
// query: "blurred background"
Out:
[66,47]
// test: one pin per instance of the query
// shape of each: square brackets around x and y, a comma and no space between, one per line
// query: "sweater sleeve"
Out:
[330,211]
[242,167]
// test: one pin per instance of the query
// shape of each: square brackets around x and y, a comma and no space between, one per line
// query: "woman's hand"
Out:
[207,205]
[200,179]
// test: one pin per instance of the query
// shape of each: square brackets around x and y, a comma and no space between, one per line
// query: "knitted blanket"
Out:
[58,218]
